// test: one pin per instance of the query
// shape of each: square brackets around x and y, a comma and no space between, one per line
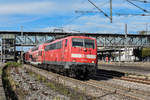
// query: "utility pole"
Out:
[111,11]
[1,50]
[146,28]
[126,32]
[21,43]
[21,31]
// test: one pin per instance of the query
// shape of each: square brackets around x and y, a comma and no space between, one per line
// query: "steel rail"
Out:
[84,85]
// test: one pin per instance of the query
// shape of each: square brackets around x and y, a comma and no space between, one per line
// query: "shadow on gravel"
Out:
[107,74]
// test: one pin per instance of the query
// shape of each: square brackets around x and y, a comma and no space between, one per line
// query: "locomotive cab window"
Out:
[76,42]
[86,43]
[89,43]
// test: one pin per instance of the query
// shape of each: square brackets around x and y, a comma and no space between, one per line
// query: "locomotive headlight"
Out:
[76,55]
[92,61]
[73,60]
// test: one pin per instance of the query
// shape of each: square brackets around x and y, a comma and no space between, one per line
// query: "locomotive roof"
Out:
[57,38]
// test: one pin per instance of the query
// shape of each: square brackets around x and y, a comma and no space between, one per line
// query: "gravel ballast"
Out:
[32,88]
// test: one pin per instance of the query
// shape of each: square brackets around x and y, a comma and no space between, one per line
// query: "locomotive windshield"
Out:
[87,43]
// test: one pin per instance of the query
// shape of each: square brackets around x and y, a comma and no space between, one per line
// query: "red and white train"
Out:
[75,56]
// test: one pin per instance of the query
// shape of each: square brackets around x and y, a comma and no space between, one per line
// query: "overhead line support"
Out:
[111,11]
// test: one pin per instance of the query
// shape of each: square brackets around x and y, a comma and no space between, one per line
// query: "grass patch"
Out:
[13,64]
[12,93]
[0,71]
[61,89]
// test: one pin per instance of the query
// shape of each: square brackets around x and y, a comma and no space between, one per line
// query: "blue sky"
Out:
[45,15]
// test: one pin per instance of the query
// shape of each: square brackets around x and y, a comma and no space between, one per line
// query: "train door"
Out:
[65,50]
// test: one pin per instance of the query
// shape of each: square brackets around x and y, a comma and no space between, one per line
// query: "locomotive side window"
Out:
[89,43]
[54,46]
[66,43]
[76,42]
[58,45]
[47,47]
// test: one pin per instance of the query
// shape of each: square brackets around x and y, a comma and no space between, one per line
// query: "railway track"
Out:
[138,80]
[126,78]
[119,88]
[96,89]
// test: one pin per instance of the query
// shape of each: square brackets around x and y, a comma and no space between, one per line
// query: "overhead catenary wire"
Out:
[120,14]
[91,11]
[74,18]
[146,11]
[142,1]
[81,14]
[110,17]
[99,9]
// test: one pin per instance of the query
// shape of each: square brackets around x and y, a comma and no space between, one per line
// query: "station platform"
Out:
[139,68]
[2,93]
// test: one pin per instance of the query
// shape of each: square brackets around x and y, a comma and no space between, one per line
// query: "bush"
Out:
[145,52]
[13,64]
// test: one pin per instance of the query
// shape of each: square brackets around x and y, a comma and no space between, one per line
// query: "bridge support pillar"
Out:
[8,49]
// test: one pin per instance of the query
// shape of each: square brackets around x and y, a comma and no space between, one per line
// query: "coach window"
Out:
[30,56]
[53,46]
[47,47]
[34,49]
[66,43]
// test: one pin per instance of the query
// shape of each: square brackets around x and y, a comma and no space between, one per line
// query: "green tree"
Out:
[145,52]
[142,32]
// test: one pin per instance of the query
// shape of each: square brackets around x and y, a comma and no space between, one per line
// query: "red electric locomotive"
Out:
[72,55]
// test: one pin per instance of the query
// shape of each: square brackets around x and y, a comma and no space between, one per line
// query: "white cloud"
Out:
[36,10]
[46,29]
[102,24]
[26,8]
[41,7]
